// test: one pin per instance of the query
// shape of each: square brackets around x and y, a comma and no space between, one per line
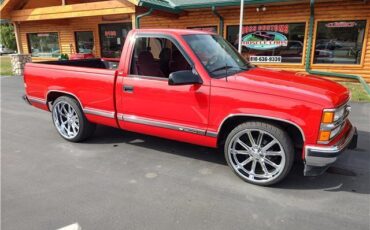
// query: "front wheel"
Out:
[260,153]
[70,121]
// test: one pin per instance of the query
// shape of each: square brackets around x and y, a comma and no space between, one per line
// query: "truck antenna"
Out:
[226,71]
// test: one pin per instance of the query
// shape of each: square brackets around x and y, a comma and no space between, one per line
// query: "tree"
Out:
[7,36]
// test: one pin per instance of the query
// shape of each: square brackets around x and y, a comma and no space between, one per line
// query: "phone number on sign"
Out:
[265,58]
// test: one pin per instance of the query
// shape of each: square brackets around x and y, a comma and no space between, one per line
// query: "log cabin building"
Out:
[325,36]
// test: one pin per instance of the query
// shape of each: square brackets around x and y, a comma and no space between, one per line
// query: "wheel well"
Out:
[52,96]
[293,131]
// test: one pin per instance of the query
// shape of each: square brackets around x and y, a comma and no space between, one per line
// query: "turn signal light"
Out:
[328,117]
[324,135]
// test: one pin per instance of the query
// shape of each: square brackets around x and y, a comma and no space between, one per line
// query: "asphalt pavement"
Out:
[123,180]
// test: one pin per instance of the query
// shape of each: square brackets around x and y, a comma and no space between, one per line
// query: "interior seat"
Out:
[164,61]
[147,66]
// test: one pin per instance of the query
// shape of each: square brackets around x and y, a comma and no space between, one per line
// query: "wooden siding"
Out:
[339,10]
[73,11]
[32,4]
[65,28]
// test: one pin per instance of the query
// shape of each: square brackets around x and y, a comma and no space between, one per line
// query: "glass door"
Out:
[112,38]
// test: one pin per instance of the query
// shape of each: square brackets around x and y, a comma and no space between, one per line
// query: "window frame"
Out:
[306,24]
[76,42]
[339,65]
[48,32]
[151,35]
[204,26]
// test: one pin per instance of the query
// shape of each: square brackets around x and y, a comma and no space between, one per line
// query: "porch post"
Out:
[17,37]
[241,25]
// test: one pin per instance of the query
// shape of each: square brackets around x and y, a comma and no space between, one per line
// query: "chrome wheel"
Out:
[66,120]
[256,155]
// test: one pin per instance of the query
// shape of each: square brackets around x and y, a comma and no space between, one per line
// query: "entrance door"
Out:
[112,38]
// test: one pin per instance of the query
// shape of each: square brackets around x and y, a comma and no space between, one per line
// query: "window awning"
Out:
[176,6]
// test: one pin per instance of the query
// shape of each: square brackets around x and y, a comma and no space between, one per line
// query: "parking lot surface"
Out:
[123,180]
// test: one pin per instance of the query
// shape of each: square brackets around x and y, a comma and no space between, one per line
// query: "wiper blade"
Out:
[223,68]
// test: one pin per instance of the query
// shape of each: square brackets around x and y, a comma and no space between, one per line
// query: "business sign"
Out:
[265,59]
[264,40]
[281,28]
[340,24]
[43,35]
[110,33]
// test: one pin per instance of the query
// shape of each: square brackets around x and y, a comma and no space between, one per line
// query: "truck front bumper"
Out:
[319,158]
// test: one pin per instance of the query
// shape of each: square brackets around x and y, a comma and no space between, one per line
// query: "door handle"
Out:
[128,88]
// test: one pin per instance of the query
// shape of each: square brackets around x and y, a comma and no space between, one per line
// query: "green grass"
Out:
[5,66]
[358,92]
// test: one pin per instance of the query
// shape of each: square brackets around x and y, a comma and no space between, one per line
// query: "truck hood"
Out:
[288,84]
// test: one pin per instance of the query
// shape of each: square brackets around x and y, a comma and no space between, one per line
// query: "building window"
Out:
[270,42]
[339,42]
[84,42]
[43,44]
[112,38]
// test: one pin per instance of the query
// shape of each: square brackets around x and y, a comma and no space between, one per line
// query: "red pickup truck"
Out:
[194,87]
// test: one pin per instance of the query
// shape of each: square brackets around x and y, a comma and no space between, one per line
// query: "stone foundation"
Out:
[18,62]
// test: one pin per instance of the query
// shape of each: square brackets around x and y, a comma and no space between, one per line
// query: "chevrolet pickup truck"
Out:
[194,87]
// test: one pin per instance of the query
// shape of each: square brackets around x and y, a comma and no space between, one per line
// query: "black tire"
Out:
[284,142]
[86,128]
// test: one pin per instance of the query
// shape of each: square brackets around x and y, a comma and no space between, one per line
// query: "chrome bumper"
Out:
[318,159]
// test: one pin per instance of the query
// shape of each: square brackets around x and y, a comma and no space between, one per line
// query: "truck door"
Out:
[148,99]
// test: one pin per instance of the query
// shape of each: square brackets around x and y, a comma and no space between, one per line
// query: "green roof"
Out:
[179,5]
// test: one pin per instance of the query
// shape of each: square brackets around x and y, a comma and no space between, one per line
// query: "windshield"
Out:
[218,56]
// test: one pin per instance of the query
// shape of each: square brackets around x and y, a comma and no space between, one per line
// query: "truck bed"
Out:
[87,63]
[91,81]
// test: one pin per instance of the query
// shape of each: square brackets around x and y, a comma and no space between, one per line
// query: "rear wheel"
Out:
[70,121]
[259,153]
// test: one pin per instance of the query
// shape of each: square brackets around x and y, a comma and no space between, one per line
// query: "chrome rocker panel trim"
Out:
[98,112]
[36,100]
[160,124]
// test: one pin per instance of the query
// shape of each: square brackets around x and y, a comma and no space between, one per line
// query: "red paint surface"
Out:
[257,92]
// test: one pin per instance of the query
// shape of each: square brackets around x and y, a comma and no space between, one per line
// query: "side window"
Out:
[156,57]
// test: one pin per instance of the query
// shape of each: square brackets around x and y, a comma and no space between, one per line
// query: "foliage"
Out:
[7,36]
[64,57]
[5,66]
[357,91]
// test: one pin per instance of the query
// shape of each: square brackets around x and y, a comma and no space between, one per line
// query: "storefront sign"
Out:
[110,33]
[275,43]
[281,28]
[264,40]
[43,35]
[341,24]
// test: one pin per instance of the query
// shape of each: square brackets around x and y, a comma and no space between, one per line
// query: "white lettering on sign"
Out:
[340,24]
[277,43]
[265,58]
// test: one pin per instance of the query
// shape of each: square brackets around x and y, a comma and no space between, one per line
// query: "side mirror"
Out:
[184,77]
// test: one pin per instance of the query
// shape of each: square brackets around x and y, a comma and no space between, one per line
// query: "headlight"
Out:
[332,123]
